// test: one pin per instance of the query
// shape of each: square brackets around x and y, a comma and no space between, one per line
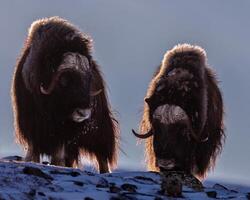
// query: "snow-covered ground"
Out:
[20,180]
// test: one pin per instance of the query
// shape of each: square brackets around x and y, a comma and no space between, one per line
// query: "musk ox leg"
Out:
[31,155]
[58,158]
[103,165]
[71,155]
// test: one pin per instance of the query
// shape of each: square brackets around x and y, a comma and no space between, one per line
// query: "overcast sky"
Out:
[130,39]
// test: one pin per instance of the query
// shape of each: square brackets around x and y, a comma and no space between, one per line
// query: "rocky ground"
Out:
[20,180]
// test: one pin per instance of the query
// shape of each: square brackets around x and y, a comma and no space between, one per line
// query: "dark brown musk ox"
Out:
[59,98]
[182,120]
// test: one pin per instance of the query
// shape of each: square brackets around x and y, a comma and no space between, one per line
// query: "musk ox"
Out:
[183,114]
[59,98]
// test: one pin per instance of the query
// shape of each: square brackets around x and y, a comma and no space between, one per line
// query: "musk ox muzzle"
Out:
[79,115]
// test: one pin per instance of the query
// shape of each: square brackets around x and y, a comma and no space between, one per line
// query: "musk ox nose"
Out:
[79,114]
[165,164]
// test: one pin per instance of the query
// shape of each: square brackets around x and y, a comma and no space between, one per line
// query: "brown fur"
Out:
[207,100]
[41,125]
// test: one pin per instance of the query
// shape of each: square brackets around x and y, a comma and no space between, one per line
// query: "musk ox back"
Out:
[59,98]
[183,114]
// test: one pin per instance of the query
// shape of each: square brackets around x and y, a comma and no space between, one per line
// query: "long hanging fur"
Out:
[203,104]
[38,126]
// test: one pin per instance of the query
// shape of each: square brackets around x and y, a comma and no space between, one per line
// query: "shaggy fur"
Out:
[184,80]
[51,92]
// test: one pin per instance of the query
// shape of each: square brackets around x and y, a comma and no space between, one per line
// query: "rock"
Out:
[129,187]
[45,163]
[41,194]
[73,173]
[122,197]
[13,158]
[32,192]
[114,189]
[172,186]
[186,179]
[102,183]
[158,198]
[219,187]
[145,179]
[88,198]
[212,194]
[36,172]
[79,183]
[248,195]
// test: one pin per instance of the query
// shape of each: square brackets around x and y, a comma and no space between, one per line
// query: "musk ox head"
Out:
[181,82]
[57,73]
[70,87]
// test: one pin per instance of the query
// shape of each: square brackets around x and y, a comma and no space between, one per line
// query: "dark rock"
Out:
[102,183]
[158,198]
[45,163]
[114,189]
[186,179]
[219,187]
[79,183]
[88,198]
[36,172]
[248,195]
[89,173]
[13,158]
[145,179]
[32,192]
[122,197]
[212,194]
[129,187]
[41,194]
[73,173]
[172,187]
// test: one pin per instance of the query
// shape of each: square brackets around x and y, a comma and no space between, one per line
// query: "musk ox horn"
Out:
[143,136]
[71,62]
[95,93]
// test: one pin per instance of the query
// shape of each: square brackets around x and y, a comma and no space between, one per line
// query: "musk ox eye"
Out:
[172,72]
[160,87]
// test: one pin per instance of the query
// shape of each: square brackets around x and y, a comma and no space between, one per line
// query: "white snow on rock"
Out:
[20,180]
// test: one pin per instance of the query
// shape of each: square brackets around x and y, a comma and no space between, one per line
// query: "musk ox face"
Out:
[173,138]
[69,92]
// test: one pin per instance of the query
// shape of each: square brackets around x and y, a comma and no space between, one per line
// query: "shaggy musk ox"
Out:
[59,98]
[183,114]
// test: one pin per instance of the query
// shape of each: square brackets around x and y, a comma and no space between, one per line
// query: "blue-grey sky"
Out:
[130,39]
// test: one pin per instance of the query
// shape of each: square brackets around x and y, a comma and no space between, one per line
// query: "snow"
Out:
[20,180]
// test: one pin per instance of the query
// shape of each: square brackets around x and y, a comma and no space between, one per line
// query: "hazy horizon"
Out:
[130,38]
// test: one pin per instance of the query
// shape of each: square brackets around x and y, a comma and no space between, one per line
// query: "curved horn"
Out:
[144,136]
[199,139]
[53,82]
[95,93]
[71,62]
